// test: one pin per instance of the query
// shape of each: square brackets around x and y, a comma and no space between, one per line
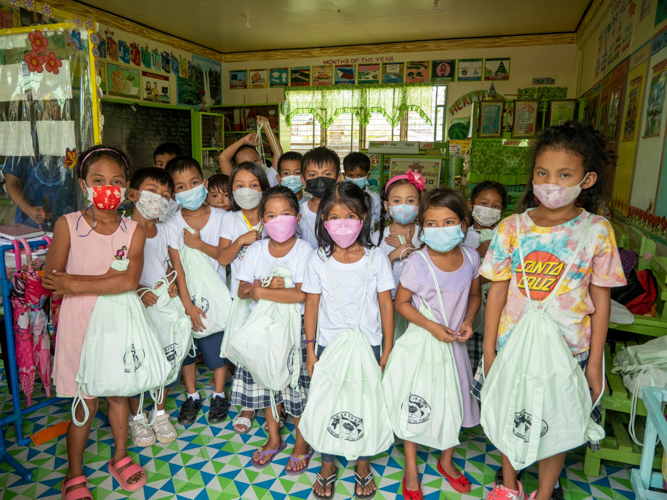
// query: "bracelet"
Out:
[310,341]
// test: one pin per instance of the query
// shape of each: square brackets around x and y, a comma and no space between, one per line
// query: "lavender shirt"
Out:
[454,288]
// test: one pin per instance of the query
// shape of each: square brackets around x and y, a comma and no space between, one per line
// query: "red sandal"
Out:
[78,493]
[462,485]
[412,495]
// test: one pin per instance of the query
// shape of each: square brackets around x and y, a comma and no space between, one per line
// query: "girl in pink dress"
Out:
[78,266]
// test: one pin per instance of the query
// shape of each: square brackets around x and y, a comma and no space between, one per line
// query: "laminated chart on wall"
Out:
[11,82]
[47,85]
[16,139]
[55,137]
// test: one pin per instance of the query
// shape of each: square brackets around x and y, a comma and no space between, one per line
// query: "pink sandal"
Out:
[127,473]
[78,493]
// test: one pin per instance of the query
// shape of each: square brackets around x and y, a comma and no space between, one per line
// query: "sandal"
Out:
[412,495]
[462,485]
[258,463]
[239,420]
[127,473]
[78,493]
[293,460]
[331,480]
[363,482]
[281,422]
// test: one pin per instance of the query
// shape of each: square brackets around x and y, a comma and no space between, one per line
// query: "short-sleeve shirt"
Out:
[397,265]
[350,280]
[156,257]
[171,210]
[233,226]
[377,205]
[306,227]
[547,251]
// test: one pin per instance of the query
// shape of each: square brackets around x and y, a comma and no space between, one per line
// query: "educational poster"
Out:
[614,35]
[645,9]
[632,113]
[155,88]
[345,74]
[207,76]
[560,112]
[443,71]
[469,70]
[103,77]
[602,119]
[258,78]
[660,12]
[497,68]
[368,73]
[656,100]
[612,121]
[393,72]
[124,82]
[417,71]
[278,77]
[300,77]
[429,168]
[322,75]
[376,165]
[593,111]
[525,118]
[238,79]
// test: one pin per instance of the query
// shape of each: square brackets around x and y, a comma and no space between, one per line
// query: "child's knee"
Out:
[92,405]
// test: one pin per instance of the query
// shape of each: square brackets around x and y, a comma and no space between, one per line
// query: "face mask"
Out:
[485,235]
[193,198]
[361,182]
[319,185]
[403,214]
[281,228]
[486,216]
[442,239]
[247,198]
[293,182]
[151,205]
[344,232]
[106,197]
[554,196]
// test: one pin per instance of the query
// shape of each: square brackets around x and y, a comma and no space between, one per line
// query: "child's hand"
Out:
[392,240]
[255,290]
[594,379]
[465,332]
[58,282]
[384,359]
[191,240]
[196,315]
[262,120]
[173,290]
[251,140]
[148,298]
[277,283]
[488,361]
[442,333]
[311,359]
[249,238]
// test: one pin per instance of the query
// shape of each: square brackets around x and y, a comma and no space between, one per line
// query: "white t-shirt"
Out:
[272,174]
[377,205]
[209,234]
[258,262]
[171,210]
[306,228]
[233,226]
[397,268]
[350,280]
[156,257]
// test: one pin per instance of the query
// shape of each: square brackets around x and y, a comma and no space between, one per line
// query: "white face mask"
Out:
[554,196]
[151,205]
[486,216]
[247,198]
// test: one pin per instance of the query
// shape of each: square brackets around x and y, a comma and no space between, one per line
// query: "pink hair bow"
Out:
[414,178]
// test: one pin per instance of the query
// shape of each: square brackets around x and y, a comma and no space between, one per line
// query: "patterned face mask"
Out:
[106,197]
[151,205]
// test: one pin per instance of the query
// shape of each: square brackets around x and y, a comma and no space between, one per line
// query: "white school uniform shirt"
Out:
[272,174]
[306,227]
[156,257]
[397,268]
[258,262]
[233,226]
[171,210]
[210,234]
[350,280]
[377,205]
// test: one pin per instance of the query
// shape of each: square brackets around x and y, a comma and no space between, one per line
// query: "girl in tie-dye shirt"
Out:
[567,180]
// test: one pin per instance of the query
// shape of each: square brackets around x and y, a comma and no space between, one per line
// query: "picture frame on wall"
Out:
[525,118]
[561,111]
[490,123]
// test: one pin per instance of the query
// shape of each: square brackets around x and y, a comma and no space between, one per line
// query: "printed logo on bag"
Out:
[523,422]
[352,427]
[419,411]
[543,271]
[204,303]
[171,352]
[133,359]
[290,361]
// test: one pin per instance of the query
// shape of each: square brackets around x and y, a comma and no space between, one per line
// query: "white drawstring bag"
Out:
[346,412]
[424,403]
[121,353]
[269,343]
[207,290]
[173,327]
[238,315]
[536,401]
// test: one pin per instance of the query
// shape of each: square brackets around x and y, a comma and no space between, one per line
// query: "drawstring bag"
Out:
[207,290]
[238,315]
[173,327]
[121,353]
[269,343]
[424,403]
[346,412]
[536,402]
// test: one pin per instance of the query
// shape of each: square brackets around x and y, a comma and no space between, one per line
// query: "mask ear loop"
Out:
[79,219]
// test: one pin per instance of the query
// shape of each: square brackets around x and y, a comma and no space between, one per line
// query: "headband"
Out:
[99,150]
[414,178]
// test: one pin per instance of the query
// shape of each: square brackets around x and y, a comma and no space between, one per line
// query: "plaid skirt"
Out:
[582,359]
[248,394]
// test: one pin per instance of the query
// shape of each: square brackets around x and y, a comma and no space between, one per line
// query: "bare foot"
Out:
[327,470]
[301,449]
[411,477]
[363,469]
[271,444]
[451,469]
[241,428]
[132,479]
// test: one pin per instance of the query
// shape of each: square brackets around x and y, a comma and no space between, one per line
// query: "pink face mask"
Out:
[344,232]
[554,196]
[281,228]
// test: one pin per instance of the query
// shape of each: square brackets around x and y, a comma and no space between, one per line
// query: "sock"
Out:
[557,484]
[219,394]
[136,417]
[513,492]
[159,412]
[194,396]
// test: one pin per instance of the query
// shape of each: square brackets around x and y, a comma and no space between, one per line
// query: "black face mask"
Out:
[319,185]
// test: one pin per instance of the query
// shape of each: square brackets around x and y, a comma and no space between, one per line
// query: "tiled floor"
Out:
[214,462]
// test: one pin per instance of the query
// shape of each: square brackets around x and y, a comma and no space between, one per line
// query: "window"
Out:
[305,133]
[343,134]
[419,129]
[378,129]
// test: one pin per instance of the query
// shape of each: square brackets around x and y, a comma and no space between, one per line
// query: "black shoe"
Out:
[189,410]
[218,411]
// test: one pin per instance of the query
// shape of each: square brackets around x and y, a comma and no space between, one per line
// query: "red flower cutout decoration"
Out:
[38,41]
[35,61]
[52,63]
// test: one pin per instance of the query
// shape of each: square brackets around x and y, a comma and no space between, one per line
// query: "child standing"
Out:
[190,189]
[290,174]
[344,230]
[279,211]
[358,170]
[443,216]
[78,266]
[218,192]
[569,168]
[162,155]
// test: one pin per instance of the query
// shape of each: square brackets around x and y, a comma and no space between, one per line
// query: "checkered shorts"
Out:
[582,359]
[248,394]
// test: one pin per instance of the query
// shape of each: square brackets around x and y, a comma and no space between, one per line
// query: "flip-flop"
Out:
[331,480]
[293,460]
[127,473]
[412,495]
[461,485]
[238,420]
[78,493]
[363,482]
[258,464]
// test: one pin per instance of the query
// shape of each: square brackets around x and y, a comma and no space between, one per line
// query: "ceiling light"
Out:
[247,21]
[435,5]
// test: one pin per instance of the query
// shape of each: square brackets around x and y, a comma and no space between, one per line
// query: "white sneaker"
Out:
[164,429]
[141,436]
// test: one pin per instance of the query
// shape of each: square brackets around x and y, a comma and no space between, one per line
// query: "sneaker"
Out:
[164,429]
[218,411]
[141,435]
[499,492]
[187,415]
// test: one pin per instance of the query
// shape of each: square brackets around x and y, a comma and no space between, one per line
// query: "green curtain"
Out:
[492,161]
[542,93]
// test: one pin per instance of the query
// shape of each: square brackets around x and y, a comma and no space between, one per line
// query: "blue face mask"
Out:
[403,214]
[293,182]
[193,198]
[361,181]
[442,239]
